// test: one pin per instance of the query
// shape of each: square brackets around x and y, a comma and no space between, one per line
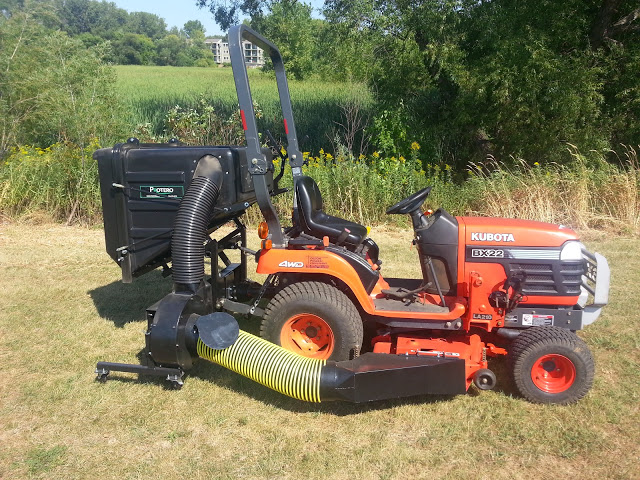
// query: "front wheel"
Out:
[315,320]
[551,365]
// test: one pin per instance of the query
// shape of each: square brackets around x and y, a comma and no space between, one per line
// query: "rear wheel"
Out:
[315,320]
[551,365]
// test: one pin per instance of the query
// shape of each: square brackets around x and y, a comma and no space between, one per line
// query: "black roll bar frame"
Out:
[257,162]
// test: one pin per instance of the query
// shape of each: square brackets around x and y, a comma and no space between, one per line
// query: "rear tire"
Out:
[315,320]
[551,365]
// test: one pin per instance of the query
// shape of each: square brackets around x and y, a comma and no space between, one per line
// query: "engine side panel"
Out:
[491,250]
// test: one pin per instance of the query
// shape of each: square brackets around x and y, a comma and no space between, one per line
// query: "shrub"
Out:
[53,88]
[60,180]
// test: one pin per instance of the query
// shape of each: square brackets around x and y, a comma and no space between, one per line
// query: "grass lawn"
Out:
[62,308]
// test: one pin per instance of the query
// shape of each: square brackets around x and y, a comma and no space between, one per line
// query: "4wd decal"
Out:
[288,264]
[161,191]
[492,237]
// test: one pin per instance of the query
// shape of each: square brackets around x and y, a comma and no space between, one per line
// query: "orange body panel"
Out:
[318,261]
[278,260]
[477,280]
[511,232]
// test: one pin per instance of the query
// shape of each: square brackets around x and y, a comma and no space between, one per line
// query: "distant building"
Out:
[253,55]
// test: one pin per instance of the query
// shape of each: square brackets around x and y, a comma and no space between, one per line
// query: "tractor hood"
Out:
[511,232]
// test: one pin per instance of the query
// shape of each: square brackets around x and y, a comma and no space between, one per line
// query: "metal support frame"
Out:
[257,162]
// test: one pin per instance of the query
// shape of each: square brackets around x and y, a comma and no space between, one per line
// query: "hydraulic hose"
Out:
[187,242]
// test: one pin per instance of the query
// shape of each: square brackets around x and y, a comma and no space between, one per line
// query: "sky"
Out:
[177,12]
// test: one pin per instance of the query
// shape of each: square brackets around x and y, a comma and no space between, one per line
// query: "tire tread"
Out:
[536,338]
[323,293]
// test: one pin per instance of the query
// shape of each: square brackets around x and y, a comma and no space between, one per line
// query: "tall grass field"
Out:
[63,308]
[149,93]
[586,192]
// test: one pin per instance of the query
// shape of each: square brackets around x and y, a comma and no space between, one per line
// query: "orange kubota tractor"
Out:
[489,286]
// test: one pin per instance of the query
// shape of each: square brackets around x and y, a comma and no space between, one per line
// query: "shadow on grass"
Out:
[123,303]
[240,385]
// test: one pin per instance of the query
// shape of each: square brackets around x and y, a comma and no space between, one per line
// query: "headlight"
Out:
[572,251]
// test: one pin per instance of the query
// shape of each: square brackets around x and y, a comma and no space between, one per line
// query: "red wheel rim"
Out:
[308,335]
[553,373]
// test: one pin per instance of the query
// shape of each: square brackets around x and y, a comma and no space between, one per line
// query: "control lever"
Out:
[343,236]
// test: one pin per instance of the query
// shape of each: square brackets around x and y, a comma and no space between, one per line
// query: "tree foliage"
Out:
[138,38]
[499,77]
[52,88]
[289,25]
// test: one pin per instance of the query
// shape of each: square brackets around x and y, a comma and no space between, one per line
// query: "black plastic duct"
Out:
[189,232]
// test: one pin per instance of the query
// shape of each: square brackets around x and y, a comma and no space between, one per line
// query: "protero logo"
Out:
[161,190]
[156,192]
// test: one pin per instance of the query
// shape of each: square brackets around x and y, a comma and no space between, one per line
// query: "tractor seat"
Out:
[315,222]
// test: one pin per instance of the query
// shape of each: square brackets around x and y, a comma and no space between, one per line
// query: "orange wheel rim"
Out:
[308,335]
[553,373]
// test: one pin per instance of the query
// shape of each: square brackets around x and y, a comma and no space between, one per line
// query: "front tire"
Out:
[315,320]
[551,365]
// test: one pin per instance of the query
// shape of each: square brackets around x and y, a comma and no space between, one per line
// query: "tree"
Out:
[497,76]
[134,49]
[614,20]
[169,50]
[193,27]
[87,16]
[290,26]
[52,88]
[8,6]
[226,13]
[147,24]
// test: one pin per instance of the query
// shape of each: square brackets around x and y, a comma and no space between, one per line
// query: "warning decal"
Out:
[318,262]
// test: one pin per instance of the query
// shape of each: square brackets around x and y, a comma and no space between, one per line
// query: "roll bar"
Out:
[257,161]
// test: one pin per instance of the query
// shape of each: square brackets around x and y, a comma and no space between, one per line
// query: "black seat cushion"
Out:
[316,222]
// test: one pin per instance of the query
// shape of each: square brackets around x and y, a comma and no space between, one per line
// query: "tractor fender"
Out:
[317,262]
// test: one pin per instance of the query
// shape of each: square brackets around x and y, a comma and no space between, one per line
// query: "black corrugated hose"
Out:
[189,232]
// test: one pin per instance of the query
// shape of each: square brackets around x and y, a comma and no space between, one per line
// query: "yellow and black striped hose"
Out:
[270,365]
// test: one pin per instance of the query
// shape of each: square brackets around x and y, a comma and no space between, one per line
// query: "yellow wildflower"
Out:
[376,155]
[415,146]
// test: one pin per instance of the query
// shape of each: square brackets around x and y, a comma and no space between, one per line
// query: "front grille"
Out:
[550,278]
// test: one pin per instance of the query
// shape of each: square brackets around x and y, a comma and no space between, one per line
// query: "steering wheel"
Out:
[410,203]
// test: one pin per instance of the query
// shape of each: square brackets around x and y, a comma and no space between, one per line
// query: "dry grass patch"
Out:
[62,308]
